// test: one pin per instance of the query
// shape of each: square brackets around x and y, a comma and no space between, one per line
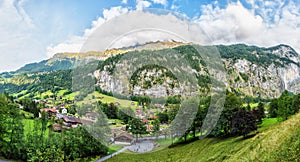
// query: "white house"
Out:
[64,111]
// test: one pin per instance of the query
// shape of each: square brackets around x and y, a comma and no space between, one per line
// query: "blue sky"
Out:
[33,30]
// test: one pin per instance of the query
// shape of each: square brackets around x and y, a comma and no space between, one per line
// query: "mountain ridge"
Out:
[251,70]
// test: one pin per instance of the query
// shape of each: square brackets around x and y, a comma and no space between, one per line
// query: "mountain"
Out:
[66,60]
[250,70]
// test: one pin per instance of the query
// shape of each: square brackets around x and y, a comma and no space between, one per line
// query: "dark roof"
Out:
[71,119]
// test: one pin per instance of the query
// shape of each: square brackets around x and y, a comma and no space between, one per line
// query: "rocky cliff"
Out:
[251,71]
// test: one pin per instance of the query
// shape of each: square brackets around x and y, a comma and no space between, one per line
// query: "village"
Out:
[65,116]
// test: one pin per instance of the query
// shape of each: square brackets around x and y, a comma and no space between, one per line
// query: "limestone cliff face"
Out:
[266,79]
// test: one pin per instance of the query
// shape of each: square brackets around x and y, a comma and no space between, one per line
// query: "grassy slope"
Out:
[275,142]
[107,99]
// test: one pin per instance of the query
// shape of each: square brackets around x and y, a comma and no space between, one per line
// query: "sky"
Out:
[34,30]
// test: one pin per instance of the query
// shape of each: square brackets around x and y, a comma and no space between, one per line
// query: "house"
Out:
[71,122]
[50,112]
[149,128]
[145,120]
[64,111]
[20,106]
[153,117]
[139,113]
[132,104]
[117,104]
[123,138]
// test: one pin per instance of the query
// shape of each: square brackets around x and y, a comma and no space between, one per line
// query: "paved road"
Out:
[144,144]
[114,154]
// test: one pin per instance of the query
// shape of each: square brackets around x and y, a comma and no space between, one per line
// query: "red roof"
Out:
[145,120]
[48,110]
[149,127]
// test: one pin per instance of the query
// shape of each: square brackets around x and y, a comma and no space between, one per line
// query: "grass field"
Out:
[96,96]
[46,94]
[71,96]
[29,126]
[252,105]
[274,142]
[115,148]
[61,92]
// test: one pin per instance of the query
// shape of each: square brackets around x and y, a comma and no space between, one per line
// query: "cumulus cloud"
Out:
[233,24]
[141,27]
[162,2]
[258,26]
[124,2]
[230,24]
[74,43]
[141,4]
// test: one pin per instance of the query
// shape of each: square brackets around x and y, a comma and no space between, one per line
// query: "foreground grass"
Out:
[274,142]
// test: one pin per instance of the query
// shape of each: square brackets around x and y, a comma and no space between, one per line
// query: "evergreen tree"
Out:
[261,108]
[273,108]
[285,107]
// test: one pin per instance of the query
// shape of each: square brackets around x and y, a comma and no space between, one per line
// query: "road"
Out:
[132,147]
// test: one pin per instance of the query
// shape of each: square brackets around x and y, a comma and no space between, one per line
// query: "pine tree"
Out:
[261,109]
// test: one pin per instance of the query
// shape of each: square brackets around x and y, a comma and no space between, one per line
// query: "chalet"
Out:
[71,122]
[149,128]
[117,104]
[50,112]
[152,117]
[64,111]
[132,104]
[20,106]
[145,120]
[123,138]
[139,113]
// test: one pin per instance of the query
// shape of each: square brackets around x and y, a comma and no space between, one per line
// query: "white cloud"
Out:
[162,2]
[75,43]
[113,12]
[16,30]
[236,24]
[141,27]
[141,4]
[232,24]
[229,24]
[124,2]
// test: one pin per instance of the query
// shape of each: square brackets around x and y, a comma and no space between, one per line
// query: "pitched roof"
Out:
[48,110]
[71,119]
[125,134]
